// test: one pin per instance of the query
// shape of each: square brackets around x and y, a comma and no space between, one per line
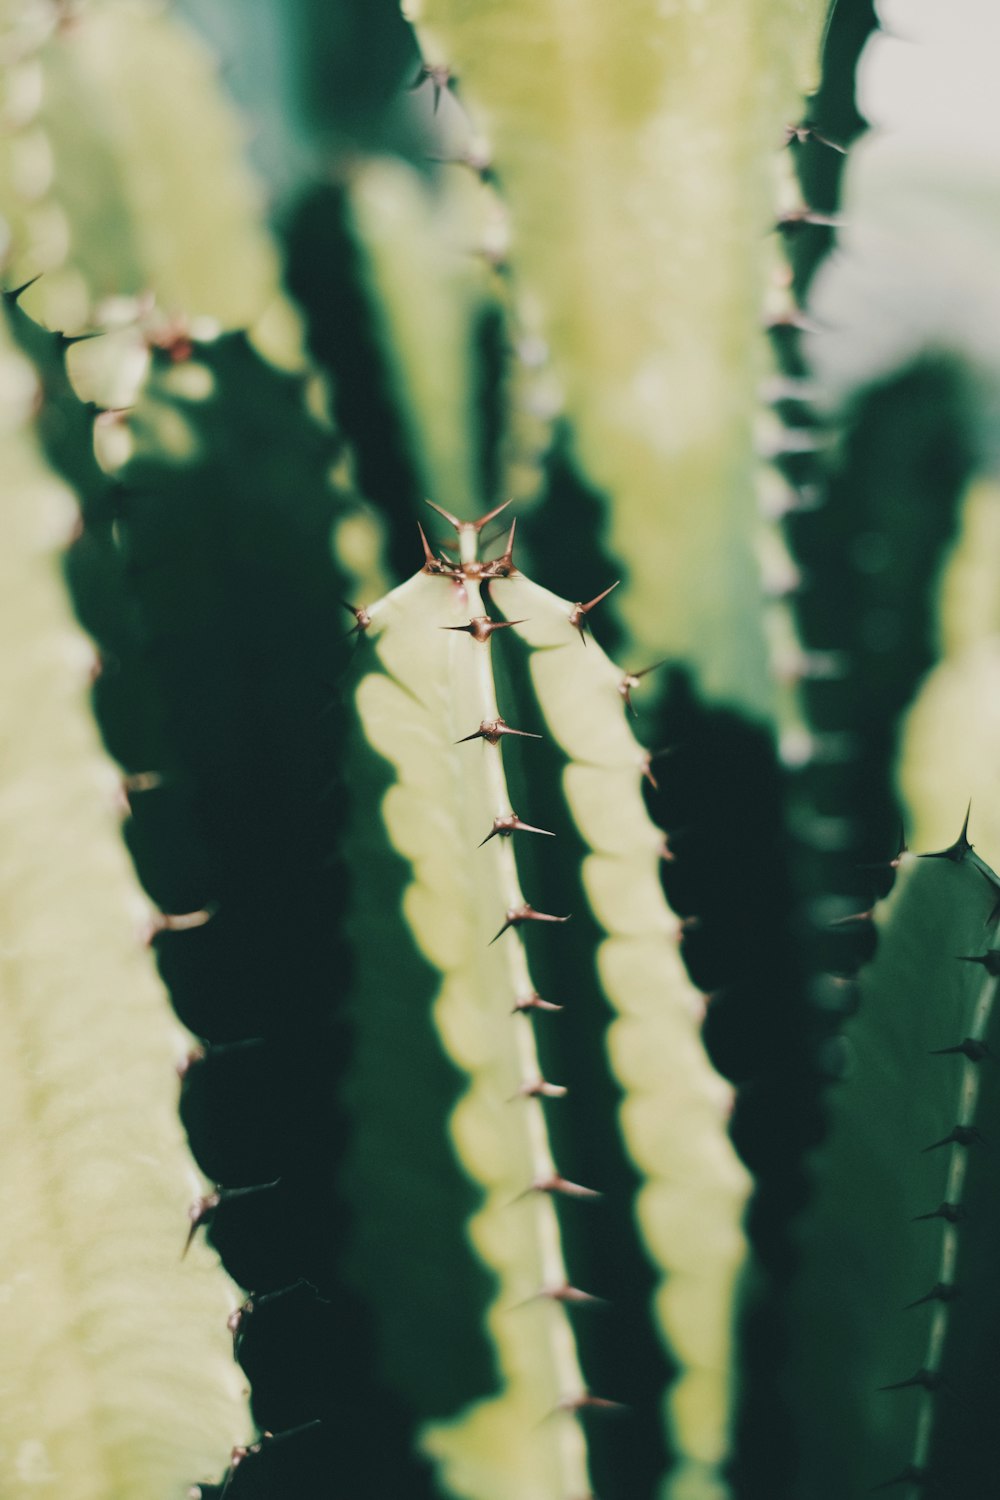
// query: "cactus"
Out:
[442,928]
[894,1285]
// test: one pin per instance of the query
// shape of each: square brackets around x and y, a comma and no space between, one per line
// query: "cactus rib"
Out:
[675,1106]
[435,684]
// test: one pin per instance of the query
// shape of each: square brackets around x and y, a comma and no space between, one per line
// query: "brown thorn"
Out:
[512,824]
[806,132]
[493,731]
[176,922]
[195,1056]
[516,915]
[200,1213]
[557,1184]
[854,916]
[360,614]
[534,1002]
[646,764]
[587,1402]
[632,679]
[566,1294]
[503,566]
[578,617]
[539,1088]
[797,217]
[481,627]
[432,564]
[478,525]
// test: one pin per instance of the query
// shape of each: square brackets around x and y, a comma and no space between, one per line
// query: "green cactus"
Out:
[895,1286]
[445,934]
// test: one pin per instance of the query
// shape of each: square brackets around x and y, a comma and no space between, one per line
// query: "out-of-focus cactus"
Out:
[443,930]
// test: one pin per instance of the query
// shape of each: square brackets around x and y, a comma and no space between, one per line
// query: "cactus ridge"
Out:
[226,761]
[581,696]
[921,1178]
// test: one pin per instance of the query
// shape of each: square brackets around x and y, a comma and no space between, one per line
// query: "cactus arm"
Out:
[438,687]
[115,1365]
[110,173]
[634,181]
[418,248]
[876,1242]
[675,1106]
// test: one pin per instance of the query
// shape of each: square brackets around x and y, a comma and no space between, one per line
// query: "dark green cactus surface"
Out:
[522,604]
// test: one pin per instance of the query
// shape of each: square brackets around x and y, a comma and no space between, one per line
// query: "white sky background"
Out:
[918,261]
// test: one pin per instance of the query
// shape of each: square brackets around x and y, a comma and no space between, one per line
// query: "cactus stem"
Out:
[481,627]
[578,616]
[552,1267]
[504,826]
[493,730]
[517,915]
[957,851]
